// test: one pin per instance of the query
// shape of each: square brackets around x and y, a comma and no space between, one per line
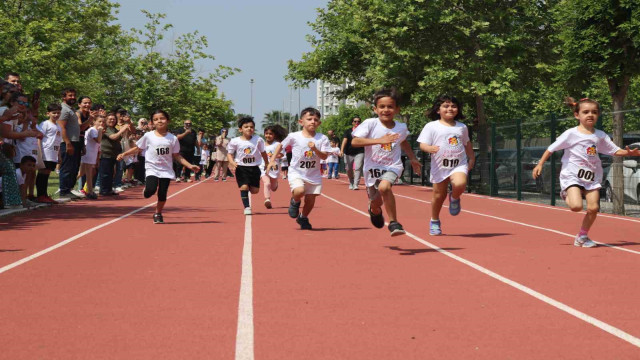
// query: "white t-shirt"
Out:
[381,158]
[204,156]
[51,140]
[21,177]
[247,152]
[580,162]
[91,145]
[270,149]
[305,164]
[158,153]
[333,155]
[27,146]
[452,141]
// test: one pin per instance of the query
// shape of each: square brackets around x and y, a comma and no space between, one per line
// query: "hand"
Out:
[416,165]
[269,167]
[536,171]
[93,114]
[35,134]
[311,145]
[194,168]
[433,149]
[232,165]
[633,152]
[389,138]
[10,114]
[341,154]
[119,157]
[70,149]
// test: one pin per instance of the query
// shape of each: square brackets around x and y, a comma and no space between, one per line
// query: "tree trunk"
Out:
[618,89]
[483,143]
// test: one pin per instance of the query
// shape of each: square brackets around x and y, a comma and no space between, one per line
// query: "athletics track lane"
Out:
[131,290]
[350,291]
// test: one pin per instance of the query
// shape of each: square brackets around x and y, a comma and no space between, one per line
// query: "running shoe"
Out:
[434,228]
[157,218]
[584,241]
[44,200]
[267,204]
[92,196]
[216,179]
[376,219]
[350,186]
[454,206]
[396,229]
[304,223]
[224,179]
[294,209]
[247,211]
[78,194]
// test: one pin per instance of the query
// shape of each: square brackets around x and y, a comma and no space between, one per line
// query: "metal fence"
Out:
[514,150]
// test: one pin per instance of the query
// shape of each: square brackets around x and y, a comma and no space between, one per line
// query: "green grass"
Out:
[54,183]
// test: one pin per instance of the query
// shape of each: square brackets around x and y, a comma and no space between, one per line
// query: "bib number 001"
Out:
[248,160]
[586,175]
[450,163]
[376,173]
[162,151]
[307,164]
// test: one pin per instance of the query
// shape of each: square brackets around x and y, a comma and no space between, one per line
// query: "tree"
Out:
[277,117]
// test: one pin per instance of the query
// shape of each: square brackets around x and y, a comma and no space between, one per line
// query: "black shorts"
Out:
[248,175]
[50,165]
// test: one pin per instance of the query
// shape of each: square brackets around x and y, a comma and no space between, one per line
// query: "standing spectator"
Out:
[110,148]
[197,154]
[86,116]
[188,142]
[50,146]
[353,156]
[332,136]
[222,162]
[71,147]
[14,78]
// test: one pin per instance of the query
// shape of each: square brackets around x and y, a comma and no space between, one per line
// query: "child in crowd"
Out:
[27,165]
[305,178]
[333,160]
[50,148]
[581,173]
[273,134]
[245,154]
[92,139]
[383,140]
[447,140]
[204,159]
[160,148]
[284,167]
[130,162]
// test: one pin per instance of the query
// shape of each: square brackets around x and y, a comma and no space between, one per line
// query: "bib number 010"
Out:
[450,163]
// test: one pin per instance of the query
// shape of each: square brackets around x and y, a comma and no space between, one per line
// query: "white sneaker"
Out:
[247,211]
[78,193]
[584,241]
[350,186]
[119,189]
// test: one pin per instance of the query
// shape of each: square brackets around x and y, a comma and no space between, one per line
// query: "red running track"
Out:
[505,282]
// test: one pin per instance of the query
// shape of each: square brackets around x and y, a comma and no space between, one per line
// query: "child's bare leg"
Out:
[254,190]
[458,184]
[30,181]
[593,206]
[439,195]
[297,193]
[309,202]
[574,198]
[90,179]
[273,183]
[267,186]
[389,200]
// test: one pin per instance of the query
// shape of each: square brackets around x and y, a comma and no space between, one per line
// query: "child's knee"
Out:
[254,190]
[593,208]
[575,207]
[384,187]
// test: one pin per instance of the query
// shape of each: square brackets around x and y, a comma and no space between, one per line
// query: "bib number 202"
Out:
[307,164]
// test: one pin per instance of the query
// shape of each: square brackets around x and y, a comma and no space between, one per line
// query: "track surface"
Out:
[185,290]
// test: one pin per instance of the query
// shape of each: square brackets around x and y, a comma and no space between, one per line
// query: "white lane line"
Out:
[557,304]
[78,236]
[520,223]
[244,335]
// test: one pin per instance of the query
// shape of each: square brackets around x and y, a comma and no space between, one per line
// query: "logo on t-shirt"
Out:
[269,154]
[308,154]
[453,140]
[247,150]
[386,147]
[592,151]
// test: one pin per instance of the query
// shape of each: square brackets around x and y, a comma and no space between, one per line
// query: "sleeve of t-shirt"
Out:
[175,146]
[562,142]
[607,146]
[403,134]
[231,147]
[288,141]
[142,142]
[363,129]
[260,145]
[426,135]
[465,135]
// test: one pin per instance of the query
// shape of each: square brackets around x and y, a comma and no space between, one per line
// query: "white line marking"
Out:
[78,236]
[244,336]
[557,304]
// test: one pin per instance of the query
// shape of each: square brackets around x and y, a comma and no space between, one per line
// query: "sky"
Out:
[257,36]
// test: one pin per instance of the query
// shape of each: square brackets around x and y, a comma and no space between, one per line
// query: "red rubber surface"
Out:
[346,290]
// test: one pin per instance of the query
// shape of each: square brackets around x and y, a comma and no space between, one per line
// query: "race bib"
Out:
[376,173]
[56,147]
[586,175]
[163,151]
[307,164]
[450,163]
[249,160]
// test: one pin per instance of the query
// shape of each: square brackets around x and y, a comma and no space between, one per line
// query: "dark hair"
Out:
[159,111]
[279,133]
[356,117]
[575,105]
[386,92]
[433,112]
[7,149]
[54,107]
[111,113]
[26,159]
[96,107]
[7,87]
[6,77]
[201,130]
[310,110]
[15,97]
[246,120]
[67,90]
[82,98]
[123,111]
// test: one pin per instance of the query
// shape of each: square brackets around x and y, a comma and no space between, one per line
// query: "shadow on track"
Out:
[405,252]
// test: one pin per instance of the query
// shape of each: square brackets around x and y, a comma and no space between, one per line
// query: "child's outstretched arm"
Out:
[538,169]
[184,162]
[232,163]
[362,142]
[131,151]
[321,154]
[628,152]
[431,149]
[415,163]
[471,156]
[272,162]
[265,158]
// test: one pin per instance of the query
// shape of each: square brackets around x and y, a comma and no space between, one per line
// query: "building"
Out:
[326,101]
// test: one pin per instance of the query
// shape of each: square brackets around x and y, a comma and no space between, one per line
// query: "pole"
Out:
[251,97]
[493,185]
[553,161]
[519,159]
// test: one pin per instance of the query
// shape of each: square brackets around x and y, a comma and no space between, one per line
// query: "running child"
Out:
[161,148]
[581,172]
[305,178]
[447,140]
[50,147]
[333,160]
[284,167]
[92,139]
[273,134]
[384,140]
[246,153]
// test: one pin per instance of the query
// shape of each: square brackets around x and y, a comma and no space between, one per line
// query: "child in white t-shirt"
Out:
[384,140]
[246,154]
[447,140]
[27,165]
[273,135]
[92,139]
[333,160]
[50,145]
[160,149]
[305,178]
[581,172]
